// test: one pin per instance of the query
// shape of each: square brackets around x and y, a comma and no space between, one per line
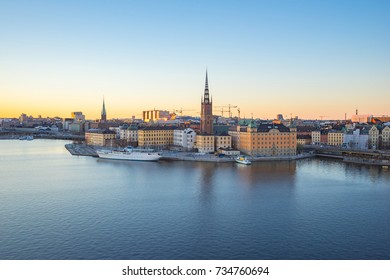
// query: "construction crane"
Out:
[221,109]
[238,111]
[229,109]
[182,110]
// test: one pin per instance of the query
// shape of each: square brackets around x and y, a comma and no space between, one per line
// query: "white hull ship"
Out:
[130,154]
[243,160]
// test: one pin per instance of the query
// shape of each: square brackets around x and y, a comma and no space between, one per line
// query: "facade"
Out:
[316,137]
[235,135]
[129,134]
[385,138]
[205,143]
[336,138]
[99,137]
[156,137]
[76,127]
[223,141]
[268,140]
[184,138]
[373,137]
[356,139]
[304,139]
[206,114]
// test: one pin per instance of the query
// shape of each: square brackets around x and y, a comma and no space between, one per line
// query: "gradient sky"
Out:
[305,58]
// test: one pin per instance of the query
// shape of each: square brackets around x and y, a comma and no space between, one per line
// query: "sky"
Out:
[300,58]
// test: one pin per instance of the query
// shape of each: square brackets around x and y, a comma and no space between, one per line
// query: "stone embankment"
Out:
[81,150]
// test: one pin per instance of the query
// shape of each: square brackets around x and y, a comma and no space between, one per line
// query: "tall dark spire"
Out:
[104,115]
[206,116]
[206,98]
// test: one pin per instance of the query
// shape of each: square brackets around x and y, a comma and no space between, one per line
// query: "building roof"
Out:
[303,136]
[222,134]
[305,129]
[264,127]
[158,128]
[100,131]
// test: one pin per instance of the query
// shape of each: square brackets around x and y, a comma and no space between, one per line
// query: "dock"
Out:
[81,150]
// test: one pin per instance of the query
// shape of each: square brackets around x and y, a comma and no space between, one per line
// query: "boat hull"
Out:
[131,156]
[242,161]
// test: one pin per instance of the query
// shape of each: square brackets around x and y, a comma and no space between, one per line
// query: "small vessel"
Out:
[385,167]
[130,153]
[28,138]
[243,160]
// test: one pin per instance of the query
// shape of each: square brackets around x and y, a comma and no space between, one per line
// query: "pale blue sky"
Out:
[307,58]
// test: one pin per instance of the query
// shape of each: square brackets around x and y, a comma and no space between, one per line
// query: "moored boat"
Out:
[130,153]
[243,160]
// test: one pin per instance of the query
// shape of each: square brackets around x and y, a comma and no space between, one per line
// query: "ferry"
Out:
[130,153]
[243,160]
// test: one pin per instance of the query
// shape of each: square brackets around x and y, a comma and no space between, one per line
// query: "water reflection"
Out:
[276,173]
[375,174]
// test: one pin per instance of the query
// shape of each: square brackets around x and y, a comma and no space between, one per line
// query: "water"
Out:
[57,206]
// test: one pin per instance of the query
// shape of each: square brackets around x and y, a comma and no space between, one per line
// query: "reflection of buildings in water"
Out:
[372,172]
[271,172]
[206,174]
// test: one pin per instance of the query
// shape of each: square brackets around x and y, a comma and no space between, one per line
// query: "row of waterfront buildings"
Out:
[266,139]
[256,139]
[161,130]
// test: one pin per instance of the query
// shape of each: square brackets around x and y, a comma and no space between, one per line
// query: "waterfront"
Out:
[57,206]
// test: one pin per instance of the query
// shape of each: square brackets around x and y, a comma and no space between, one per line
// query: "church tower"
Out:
[206,115]
[104,115]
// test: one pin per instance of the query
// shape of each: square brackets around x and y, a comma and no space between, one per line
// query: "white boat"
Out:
[130,153]
[28,138]
[243,160]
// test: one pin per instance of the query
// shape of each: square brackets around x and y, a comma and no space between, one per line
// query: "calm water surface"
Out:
[57,206]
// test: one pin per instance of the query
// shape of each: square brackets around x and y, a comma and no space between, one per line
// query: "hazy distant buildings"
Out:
[361,118]
[155,115]
[78,116]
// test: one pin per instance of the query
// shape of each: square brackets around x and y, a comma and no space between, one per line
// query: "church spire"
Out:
[104,115]
[206,91]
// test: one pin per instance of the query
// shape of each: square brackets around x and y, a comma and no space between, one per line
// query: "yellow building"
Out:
[205,143]
[316,137]
[223,141]
[267,140]
[157,137]
[335,138]
[373,137]
[99,137]
[304,139]
[385,138]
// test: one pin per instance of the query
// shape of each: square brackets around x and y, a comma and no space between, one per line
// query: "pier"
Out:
[81,150]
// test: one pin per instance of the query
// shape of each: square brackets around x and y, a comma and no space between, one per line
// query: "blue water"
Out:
[57,206]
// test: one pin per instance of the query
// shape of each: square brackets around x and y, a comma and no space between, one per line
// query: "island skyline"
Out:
[302,58]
